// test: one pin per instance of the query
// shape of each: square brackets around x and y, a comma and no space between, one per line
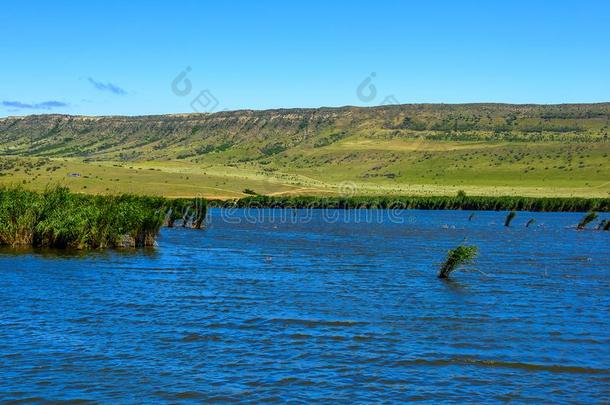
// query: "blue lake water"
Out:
[272,305]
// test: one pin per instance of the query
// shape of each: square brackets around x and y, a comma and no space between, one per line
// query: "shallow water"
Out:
[315,307]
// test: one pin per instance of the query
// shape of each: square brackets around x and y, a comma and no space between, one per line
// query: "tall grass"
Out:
[60,219]
[457,257]
[462,202]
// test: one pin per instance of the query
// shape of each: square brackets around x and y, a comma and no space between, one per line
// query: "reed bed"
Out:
[459,202]
[57,218]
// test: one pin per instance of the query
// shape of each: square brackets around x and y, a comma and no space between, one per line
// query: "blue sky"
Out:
[120,58]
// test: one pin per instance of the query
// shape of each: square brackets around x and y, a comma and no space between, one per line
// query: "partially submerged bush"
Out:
[191,212]
[511,215]
[604,225]
[590,217]
[530,222]
[457,257]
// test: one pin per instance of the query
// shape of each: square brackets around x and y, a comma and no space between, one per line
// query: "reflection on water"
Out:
[347,310]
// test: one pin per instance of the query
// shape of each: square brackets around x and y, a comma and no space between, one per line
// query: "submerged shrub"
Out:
[530,222]
[457,257]
[509,218]
[590,217]
[192,212]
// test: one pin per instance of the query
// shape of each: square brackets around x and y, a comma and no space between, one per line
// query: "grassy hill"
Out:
[487,149]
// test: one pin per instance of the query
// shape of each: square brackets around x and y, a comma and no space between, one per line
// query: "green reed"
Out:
[462,202]
[59,219]
[457,257]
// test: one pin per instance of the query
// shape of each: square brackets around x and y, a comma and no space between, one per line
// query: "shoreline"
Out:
[458,202]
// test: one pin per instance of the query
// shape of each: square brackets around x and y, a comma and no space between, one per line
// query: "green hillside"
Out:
[486,149]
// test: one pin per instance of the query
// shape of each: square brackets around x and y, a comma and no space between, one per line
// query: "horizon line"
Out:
[348,106]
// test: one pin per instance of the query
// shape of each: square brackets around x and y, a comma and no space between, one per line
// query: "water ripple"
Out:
[316,312]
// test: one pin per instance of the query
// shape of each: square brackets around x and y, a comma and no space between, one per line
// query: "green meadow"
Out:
[431,168]
[482,149]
